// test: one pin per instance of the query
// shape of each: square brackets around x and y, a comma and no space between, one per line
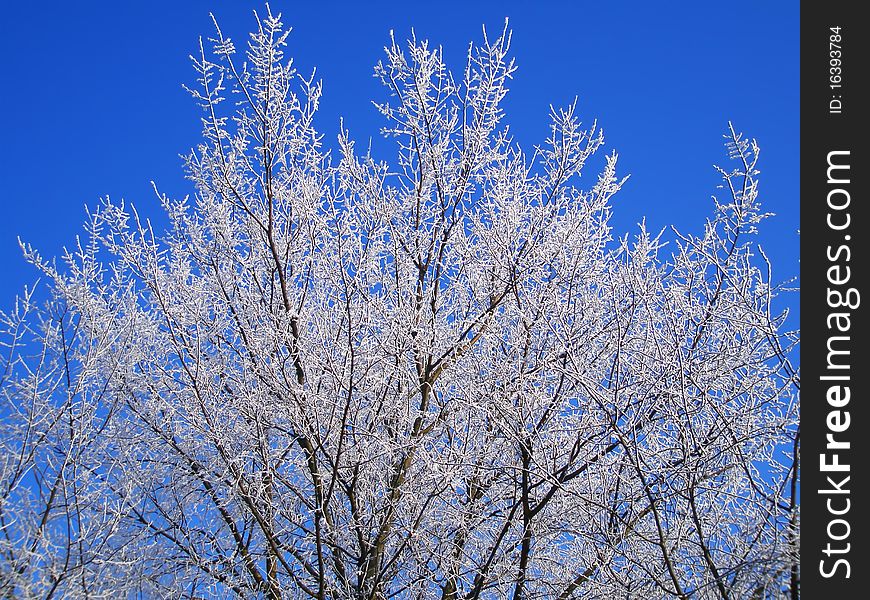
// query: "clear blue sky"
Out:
[92,103]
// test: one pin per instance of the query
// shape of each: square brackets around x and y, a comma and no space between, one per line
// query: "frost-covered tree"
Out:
[443,378]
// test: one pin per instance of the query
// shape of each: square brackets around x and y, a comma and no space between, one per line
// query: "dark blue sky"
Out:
[92,103]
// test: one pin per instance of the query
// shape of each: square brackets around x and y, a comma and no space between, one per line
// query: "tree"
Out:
[441,379]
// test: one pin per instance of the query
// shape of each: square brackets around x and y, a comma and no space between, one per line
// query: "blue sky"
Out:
[92,101]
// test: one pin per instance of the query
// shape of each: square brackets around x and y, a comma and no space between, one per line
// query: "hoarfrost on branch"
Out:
[442,378]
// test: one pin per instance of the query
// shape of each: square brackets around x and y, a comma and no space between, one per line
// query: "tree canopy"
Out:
[444,377]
